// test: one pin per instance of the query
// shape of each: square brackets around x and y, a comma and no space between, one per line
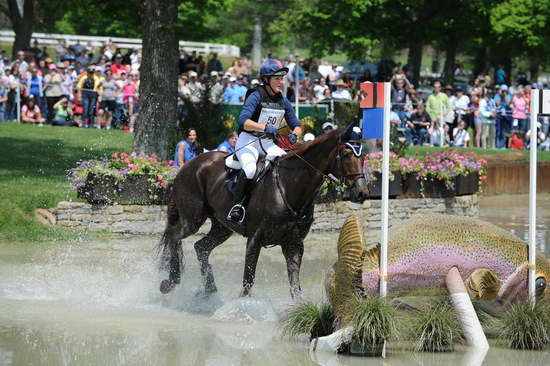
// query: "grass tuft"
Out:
[526,327]
[436,329]
[374,320]
[317,320]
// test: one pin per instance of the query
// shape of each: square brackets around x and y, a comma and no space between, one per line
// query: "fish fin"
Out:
[347,270]
[372,254]
[483,284]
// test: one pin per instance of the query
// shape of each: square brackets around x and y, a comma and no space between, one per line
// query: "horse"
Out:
[279,212]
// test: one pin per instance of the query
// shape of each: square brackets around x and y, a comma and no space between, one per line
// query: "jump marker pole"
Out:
[297,88]
[385,191]
[533,193]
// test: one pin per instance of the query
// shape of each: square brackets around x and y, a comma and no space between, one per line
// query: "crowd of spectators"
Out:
[86,86]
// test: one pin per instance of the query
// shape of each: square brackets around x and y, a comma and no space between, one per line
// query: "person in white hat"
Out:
[328,127]
[309,137]
[194,86]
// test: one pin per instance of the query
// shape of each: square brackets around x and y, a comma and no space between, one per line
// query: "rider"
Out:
[259,121]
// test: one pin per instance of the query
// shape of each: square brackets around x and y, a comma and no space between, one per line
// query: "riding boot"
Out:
[240,190]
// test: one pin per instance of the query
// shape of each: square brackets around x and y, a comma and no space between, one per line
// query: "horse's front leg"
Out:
[293,253]
[253,248]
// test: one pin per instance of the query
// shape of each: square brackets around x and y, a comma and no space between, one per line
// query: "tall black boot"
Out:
[238,211]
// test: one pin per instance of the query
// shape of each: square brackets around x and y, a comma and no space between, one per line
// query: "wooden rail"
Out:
[513,177]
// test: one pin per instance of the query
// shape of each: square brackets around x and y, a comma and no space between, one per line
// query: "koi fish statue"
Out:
[421,251]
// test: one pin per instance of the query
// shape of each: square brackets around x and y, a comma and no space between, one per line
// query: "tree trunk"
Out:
[415,60]
[450,59]
[534,65]
[158,78]
[257,42]
[480,60]
[22,23]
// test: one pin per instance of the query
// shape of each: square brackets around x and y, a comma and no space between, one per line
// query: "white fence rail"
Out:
[54,39]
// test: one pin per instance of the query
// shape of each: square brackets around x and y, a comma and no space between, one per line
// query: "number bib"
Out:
[271,116]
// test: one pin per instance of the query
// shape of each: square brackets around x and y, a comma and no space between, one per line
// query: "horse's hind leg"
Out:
[216,236]
[172,252]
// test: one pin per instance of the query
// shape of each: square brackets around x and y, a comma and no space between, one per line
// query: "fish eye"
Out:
[540,286]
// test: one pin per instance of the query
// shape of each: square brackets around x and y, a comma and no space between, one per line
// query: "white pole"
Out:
[297,88]
[385,191]
[533,193]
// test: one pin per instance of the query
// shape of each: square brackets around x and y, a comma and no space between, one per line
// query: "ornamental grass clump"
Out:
[316,320]
[436,329]
[525,326]
[374,322]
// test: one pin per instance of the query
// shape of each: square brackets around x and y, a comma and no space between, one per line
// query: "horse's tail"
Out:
[169,248]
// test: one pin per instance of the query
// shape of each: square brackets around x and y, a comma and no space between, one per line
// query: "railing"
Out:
[54,39]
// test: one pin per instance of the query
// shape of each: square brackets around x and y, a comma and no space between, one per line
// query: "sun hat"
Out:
[309,137]
[328,125]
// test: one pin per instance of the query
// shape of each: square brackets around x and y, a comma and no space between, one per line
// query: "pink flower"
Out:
[123,155]
[115,156]
[133,154]
[171,162]
[126,160]
[133,166]
[160,178]
[417,153]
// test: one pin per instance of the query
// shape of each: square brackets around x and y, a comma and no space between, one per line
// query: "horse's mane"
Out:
[303,148]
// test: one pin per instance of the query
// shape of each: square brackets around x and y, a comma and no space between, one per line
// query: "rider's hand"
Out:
[270,131]
[292,138]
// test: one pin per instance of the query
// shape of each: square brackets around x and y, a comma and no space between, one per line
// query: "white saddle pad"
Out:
[232,163]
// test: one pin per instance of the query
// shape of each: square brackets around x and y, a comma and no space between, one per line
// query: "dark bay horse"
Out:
[279,212]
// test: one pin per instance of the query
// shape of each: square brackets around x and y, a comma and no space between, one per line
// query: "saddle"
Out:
[233,166]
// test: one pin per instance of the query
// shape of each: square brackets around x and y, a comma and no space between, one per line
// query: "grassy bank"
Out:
[33,165]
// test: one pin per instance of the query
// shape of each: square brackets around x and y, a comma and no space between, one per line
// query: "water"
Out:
[97,303]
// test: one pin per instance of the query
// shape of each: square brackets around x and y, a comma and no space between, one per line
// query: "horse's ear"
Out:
[347,133]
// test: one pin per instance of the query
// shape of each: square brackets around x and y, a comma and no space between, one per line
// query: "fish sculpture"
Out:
[492,262]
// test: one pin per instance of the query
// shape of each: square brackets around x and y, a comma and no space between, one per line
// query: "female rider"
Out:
[259,121]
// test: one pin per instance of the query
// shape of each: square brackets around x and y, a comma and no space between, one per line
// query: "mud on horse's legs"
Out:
[216,236]
[293,253]
[253,248]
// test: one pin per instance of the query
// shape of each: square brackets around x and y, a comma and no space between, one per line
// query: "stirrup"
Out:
[237,213]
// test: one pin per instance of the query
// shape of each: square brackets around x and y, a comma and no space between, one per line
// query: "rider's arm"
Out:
[248,110]
[291,118]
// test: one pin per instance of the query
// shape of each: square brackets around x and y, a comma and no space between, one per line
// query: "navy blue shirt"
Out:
[255,99]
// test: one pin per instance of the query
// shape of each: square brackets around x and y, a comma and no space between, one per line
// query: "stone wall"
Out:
[135,219]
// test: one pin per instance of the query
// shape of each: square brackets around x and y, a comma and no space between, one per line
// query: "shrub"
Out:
[317,320]
[436,329]
[525,326]
[374,320]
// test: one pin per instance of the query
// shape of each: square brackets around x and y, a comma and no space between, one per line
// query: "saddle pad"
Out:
[232,163]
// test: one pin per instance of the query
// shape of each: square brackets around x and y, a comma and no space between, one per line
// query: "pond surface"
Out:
[97,303]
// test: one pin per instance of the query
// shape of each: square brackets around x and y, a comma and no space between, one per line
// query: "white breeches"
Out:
[249,154]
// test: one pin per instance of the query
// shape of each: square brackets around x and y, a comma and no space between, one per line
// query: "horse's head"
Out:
[348,164]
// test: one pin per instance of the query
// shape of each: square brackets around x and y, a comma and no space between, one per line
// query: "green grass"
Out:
[526,327]
[33,165]
[317,320]
[422,150]
[375,321]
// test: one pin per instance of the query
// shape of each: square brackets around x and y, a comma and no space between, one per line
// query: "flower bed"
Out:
[128,178]
[442,174]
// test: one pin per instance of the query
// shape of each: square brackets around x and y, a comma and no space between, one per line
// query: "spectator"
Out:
[461,137]
[521,78]
[23,65]
[399,95]
[30,113]
[503,120]
[3,98]
[519,105]
[216,90]
[192,62]
[309,137]
[319,89]
[130,98]
[187,149]
[183,89]
[299,69]
[117,67]
[500,75]
[438,104]
[333,76]
[341,92]
[328,127]
[109,91]
[63,113]
[417,126]
[229,144]
[540,136]
[231,95]
[12,84]
[194,86]
[516,141]
[437,134]
[89,86]
[53,90]
[487,118]
[214,64]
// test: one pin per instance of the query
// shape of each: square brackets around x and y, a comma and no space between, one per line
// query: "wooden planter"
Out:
[375,187]
[436,188]
[467,184]
[136,189]
[411,186]
[99,189]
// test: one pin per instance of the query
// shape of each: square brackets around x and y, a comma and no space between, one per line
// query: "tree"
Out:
[158,80]
[22,20]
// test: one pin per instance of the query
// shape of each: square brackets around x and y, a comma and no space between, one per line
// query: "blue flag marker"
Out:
[373,123]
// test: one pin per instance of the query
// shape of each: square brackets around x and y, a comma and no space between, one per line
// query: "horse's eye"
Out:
[540,286]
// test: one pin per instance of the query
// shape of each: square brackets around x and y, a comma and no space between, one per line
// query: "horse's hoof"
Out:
[166,286]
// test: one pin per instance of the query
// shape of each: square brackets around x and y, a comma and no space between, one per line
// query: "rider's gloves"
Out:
[270,131]
[292,138]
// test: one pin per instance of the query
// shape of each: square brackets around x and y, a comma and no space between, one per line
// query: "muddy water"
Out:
[97,303]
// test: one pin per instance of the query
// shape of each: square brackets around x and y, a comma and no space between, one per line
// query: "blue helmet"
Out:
[273,67]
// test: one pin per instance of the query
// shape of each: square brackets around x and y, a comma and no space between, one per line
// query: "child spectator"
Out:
[63,113]
[30,113]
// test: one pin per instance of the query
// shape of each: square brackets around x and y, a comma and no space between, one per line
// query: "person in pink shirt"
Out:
[129,97]
[519,106]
